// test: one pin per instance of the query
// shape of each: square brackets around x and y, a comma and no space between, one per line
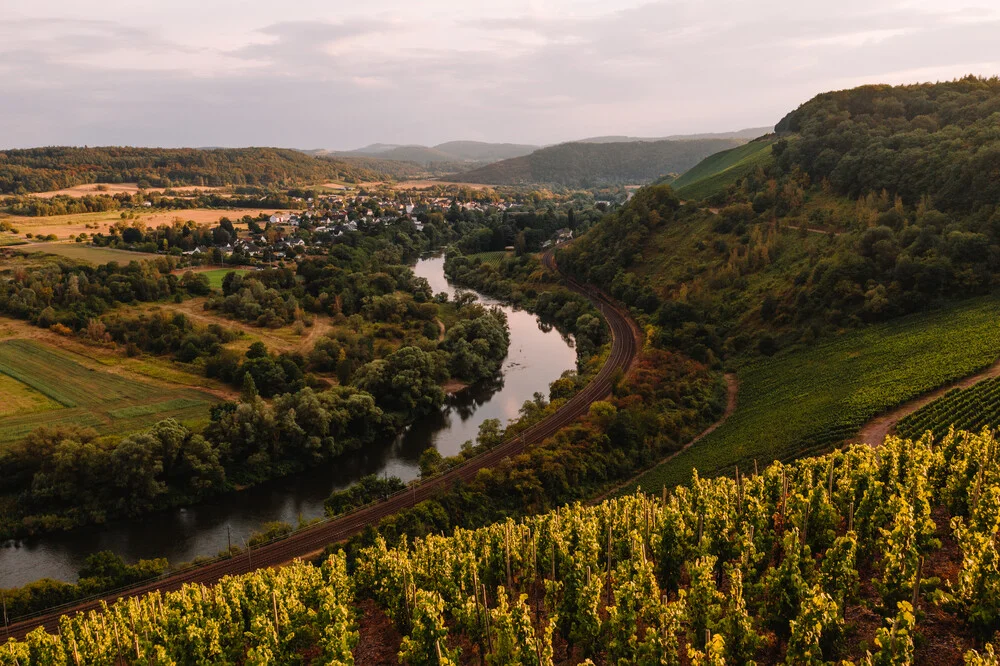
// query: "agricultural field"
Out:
[490,258]
[19,398]
[55,389]
[806,400]
[64,226]
[970,409]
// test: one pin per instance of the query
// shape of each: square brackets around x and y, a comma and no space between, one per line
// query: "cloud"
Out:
[403,73]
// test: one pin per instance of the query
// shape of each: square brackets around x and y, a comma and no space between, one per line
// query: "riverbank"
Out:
[537,357]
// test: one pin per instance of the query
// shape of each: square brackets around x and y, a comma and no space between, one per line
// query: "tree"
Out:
[249,390]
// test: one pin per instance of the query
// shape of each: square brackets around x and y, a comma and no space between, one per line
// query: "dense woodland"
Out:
[47,169]
[899,177]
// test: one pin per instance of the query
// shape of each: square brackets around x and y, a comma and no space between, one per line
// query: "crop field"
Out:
[215,277]
[490,258]
[806,400]
[967,409]
[60,390]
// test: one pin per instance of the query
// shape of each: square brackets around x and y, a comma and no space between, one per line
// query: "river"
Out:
[538,355]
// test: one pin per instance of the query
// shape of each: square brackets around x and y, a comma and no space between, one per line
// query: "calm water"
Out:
[538,355]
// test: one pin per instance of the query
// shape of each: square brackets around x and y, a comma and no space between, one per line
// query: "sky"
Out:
[340,75]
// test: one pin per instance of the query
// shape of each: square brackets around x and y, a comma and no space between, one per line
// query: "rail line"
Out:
[625,341]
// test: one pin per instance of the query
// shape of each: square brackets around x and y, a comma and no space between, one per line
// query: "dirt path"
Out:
[732,391]
[874,432]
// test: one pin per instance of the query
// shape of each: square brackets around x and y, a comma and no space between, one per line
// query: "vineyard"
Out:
[488,258]
[870,556]
[808,399]
[966,409]
[55,389]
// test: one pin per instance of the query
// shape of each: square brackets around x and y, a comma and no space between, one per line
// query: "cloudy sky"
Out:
[336,74]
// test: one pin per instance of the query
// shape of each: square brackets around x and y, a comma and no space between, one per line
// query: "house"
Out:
[564,235]
[279,218]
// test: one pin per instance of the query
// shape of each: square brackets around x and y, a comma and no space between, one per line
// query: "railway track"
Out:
[624,347]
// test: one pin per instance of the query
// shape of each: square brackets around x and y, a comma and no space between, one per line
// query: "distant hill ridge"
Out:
[58,167]
[451,152]
[588,164]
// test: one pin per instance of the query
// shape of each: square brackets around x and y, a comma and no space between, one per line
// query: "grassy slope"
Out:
[718,171]
[805,399]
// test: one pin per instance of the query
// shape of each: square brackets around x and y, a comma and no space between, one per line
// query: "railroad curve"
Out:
[625,344]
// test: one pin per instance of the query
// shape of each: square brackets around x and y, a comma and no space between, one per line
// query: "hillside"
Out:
[746,134]
[849,162]
[55,168]
[717,172]
[386,168]
[593,164]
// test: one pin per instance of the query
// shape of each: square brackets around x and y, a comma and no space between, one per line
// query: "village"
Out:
[325,220]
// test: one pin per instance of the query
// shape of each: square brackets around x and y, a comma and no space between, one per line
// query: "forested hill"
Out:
[591,164]
[938,140]
[906,180]
[53,168]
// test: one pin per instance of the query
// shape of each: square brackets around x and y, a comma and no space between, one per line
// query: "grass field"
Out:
[64,391]
[82,252]
[716,172]
[215,277]
[805,400]
[19,398]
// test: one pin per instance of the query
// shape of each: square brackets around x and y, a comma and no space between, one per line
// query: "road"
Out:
[625,344]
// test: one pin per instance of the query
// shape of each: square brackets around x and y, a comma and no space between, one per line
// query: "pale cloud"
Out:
[314,73]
